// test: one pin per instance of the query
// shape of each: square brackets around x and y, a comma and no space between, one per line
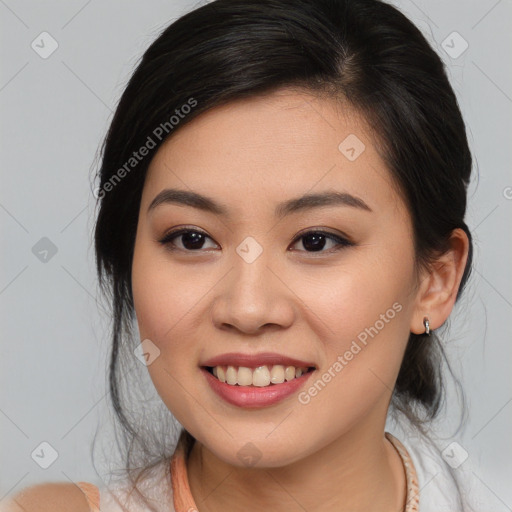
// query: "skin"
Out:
[331,453]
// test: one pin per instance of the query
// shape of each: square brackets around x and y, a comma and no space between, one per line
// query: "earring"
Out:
[426,323]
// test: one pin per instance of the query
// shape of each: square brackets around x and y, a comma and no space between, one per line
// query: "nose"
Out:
[253,298]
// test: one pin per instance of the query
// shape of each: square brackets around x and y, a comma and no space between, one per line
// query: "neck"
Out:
[357,472]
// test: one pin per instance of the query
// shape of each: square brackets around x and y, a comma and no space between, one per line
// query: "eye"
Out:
[191,239]
[315,241]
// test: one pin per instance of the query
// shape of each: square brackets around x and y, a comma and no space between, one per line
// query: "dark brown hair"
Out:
[363,51]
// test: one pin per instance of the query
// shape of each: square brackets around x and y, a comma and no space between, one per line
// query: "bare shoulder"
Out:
[48,497]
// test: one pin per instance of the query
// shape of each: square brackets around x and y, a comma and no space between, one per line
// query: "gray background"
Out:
[55,111]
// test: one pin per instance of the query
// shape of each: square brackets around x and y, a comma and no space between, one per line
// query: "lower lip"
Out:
[253,396]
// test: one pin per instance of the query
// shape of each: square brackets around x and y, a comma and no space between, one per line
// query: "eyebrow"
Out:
[305,202]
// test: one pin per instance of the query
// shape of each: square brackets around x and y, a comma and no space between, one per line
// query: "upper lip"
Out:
[255,360]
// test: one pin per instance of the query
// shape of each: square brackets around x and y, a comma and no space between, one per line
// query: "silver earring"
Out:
[426,323]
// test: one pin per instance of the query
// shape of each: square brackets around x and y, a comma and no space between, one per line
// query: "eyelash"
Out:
[341,241]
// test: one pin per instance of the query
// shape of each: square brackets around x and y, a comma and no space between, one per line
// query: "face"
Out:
[254,286]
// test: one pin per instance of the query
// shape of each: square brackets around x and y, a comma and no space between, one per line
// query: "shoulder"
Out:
[48,497]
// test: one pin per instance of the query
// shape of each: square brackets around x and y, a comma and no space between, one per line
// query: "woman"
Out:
[281,215]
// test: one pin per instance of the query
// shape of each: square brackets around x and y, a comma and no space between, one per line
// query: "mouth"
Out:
[262,392]
[257,380]
[258,377]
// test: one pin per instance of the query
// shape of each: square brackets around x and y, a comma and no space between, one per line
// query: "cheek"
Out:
[362,311]
[164,300]
[363,320]
[163,296]
[349,300]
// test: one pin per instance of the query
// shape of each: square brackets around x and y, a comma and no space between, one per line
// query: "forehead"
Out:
[274,146]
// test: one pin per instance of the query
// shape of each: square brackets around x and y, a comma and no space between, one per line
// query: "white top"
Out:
[443,486]
[438,481]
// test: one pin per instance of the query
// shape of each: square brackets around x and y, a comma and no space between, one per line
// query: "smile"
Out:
[261,376]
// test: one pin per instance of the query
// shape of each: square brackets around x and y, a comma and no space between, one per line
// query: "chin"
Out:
[258,452]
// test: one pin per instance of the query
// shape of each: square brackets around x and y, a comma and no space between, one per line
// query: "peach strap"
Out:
[182,496]
[184,502]
[92,495]
[412,500]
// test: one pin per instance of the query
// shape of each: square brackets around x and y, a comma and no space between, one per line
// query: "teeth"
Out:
[244,376]
[231,375]
[261,376]
[289,373]
[277,374]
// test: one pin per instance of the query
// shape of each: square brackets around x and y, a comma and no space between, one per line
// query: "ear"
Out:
[438,286]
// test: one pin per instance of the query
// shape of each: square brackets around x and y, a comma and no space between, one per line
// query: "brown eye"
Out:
[191,240]
[316,241]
